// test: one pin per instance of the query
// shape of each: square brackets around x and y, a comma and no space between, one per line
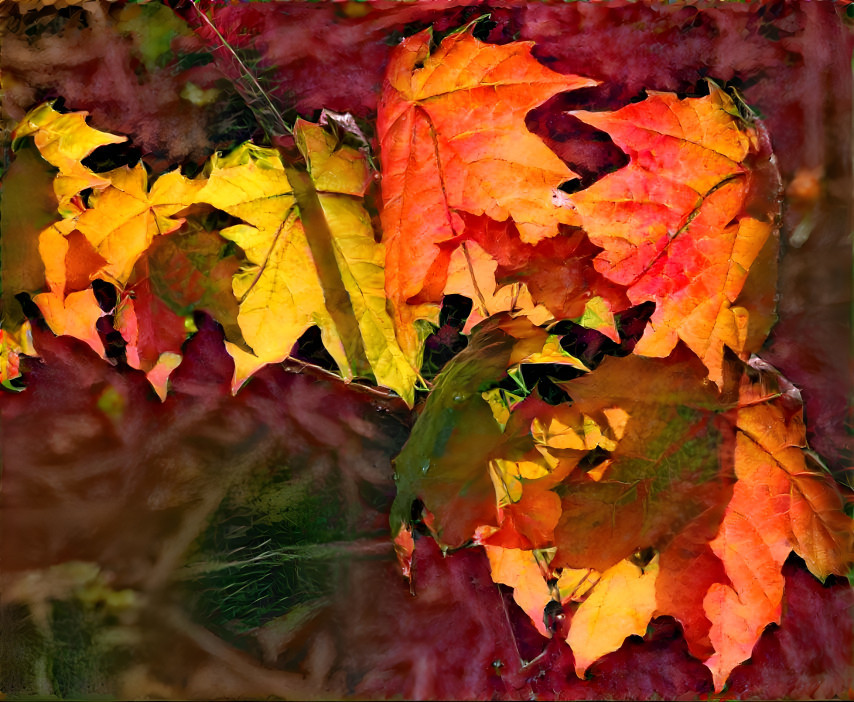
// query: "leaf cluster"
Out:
[594,413]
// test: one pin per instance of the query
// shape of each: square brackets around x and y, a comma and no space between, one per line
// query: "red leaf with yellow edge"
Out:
[684,223]
[451,127]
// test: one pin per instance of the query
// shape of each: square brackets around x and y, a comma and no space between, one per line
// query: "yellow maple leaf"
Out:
[64,140]
[312,258]
[620,604]
[124,217]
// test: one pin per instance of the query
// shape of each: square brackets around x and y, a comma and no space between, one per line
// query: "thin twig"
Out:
[247,73]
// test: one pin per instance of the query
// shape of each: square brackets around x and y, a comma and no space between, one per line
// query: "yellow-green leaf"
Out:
[313,258]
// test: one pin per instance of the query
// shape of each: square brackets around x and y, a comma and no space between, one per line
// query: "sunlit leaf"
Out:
[683,224]
[313,258]
[471,272]
[73,315]
[453,137]
[778,505]
[619,605]
[124,217]
[64,140]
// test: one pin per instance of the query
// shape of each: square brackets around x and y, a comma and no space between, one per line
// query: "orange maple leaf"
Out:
[683,223]
[778,505]
[452,134]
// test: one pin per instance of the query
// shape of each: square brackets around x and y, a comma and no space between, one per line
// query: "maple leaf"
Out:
[556,271]
[619,605]
[778,505]
[453,137]
[660,469]
[73,315]
[685,221]
[123,218]
[70,262]
[153,332]
[192,270]
[64,140]
[312,255]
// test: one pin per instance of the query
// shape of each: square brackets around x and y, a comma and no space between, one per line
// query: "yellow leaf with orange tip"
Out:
[74,315]
[683,223]
[312,258]
[451,127]
[621,604]
[64,140]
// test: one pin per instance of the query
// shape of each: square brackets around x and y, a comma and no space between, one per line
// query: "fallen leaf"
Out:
[683,224]
[452,137]
[655,419]
[523,570]
[73,315]
[556,271]
[191,270]
[778,505]
[621,604]
[123,218]
[312,255]
[64,140]
[154,333]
